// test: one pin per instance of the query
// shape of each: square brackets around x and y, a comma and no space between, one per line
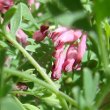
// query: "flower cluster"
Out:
[70,46]
[5,5]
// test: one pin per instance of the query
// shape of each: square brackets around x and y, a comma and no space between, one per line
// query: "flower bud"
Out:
[70,58]
[81,48]
[57,67]
[39,35]
[21,37]
[5,5]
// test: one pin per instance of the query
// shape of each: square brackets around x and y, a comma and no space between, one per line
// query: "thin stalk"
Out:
[105,61]
[31,93]
[40,82]
[23,92]
[104,92]
[35,64]
[30,58]
[19,103]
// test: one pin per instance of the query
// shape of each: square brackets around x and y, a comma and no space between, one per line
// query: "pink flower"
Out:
[81,48]
[39,35]
[65,35]
[59,31]
[30,2]
[21,37]
[58,51]
[69,37]
[58,64]
[70,59]
[34,2]
[70,46]
[5,5]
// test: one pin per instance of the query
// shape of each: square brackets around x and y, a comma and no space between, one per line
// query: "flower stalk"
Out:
[36,65]
[39,82]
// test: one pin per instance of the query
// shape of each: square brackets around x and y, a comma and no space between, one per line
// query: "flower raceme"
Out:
[5,5]
[70,46]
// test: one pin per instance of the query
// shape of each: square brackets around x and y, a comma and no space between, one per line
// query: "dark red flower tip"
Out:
[44,28]
[39,35]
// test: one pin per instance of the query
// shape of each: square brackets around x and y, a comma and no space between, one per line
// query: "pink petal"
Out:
[5,5]
[38,36]
[30,2]
[37,5]
[58,51]
[55,34]
[21,36]
[61,29]
[77,34]
[81,48]
[57,67]
[68,36]
[70,58]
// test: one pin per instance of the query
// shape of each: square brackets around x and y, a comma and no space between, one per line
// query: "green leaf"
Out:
[88,85]
[3,44]
[95,84]
[55,8]
[16,20]
[95,44]
[30,107]
[22,12]
[107,28]
[27,14]
[51,101]
[9,103]
[69,18]
[82,23]
[8,15]
[102,9]
[42,1]
[31,48]
[72,5]
[2,58]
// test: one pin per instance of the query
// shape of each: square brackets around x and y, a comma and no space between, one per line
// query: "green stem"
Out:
[34,94]
[19,103]
[103,93]
[105,60]
[63,102]
[35,64]
[40,82]
[103,51]
[23,92]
